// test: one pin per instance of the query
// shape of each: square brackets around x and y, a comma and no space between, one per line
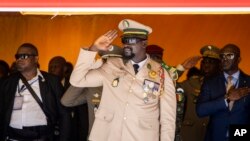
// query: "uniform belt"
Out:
[28,133]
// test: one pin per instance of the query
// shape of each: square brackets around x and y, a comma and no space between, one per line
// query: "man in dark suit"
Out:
[225,107]
[22,118]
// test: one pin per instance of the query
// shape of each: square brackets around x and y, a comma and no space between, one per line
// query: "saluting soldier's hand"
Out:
[104,42]
[191,62]
[236,94]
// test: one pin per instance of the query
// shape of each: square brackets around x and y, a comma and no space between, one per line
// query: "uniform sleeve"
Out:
[168,110]
[85,73]
[74,96]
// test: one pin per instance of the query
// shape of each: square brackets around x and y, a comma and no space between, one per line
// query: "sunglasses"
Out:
[24,56]
[228,56]
[131,40]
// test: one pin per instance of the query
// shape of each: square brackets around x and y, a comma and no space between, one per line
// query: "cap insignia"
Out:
[125,23]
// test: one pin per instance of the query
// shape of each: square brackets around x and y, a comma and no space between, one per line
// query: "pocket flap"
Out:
[149,123]
[104,114]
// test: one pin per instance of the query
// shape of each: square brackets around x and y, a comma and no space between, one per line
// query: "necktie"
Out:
[229,85]
[136,67]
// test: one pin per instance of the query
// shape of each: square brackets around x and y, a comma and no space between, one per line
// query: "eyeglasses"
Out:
[131,40]
[229,56]
[24,56]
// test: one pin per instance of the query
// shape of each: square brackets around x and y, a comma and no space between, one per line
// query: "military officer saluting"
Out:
[138,100]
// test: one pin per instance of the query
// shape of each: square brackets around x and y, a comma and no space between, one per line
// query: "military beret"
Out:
[133,29]
[114,51]
[154,49]
[210,51]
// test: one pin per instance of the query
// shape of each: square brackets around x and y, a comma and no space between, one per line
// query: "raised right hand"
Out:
[191,62]
[104,41]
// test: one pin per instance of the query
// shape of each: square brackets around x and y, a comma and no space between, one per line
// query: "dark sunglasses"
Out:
[131,40]
[24,56]
[228,56]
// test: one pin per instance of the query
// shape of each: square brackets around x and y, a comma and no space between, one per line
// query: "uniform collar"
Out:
[140,63]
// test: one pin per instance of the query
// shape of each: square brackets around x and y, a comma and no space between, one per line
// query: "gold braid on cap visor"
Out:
[211,54]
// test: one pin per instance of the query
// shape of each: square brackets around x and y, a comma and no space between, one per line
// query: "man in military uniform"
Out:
[75,96]
[138,99]
[193,128]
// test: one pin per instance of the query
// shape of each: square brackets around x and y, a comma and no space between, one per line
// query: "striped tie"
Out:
[229,85]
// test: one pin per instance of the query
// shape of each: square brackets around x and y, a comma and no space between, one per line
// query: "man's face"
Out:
[56,67]
[25,59]
[209,66]
[229,59]
[132,47]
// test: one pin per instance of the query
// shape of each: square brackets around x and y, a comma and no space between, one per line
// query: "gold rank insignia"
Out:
[96,95]
[152,74]
[115,82]
[96,100]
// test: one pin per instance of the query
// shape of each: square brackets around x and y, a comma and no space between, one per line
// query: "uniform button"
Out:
[130,91]
[125,118]
[133,78]
[127,104]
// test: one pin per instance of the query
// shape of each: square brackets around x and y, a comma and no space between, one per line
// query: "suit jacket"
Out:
[211,103]
[123,115]
[51,92]
[75,96]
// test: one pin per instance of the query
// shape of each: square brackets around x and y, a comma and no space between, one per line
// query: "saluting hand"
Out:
[236,94]
[104,42]
[191,62]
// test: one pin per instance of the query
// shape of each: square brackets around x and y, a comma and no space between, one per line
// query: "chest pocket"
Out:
[104,115]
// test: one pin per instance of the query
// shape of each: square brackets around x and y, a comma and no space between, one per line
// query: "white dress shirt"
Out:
[30,113]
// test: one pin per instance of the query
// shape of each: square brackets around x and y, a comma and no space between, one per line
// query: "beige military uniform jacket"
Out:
[123,114]
[75,96]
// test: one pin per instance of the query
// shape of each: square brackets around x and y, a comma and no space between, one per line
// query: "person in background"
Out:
[68,68]
[194,128]
[4,70]
[224,97]
[30,102]
[79,122]
[134,89]
[56,67]
[75,96]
